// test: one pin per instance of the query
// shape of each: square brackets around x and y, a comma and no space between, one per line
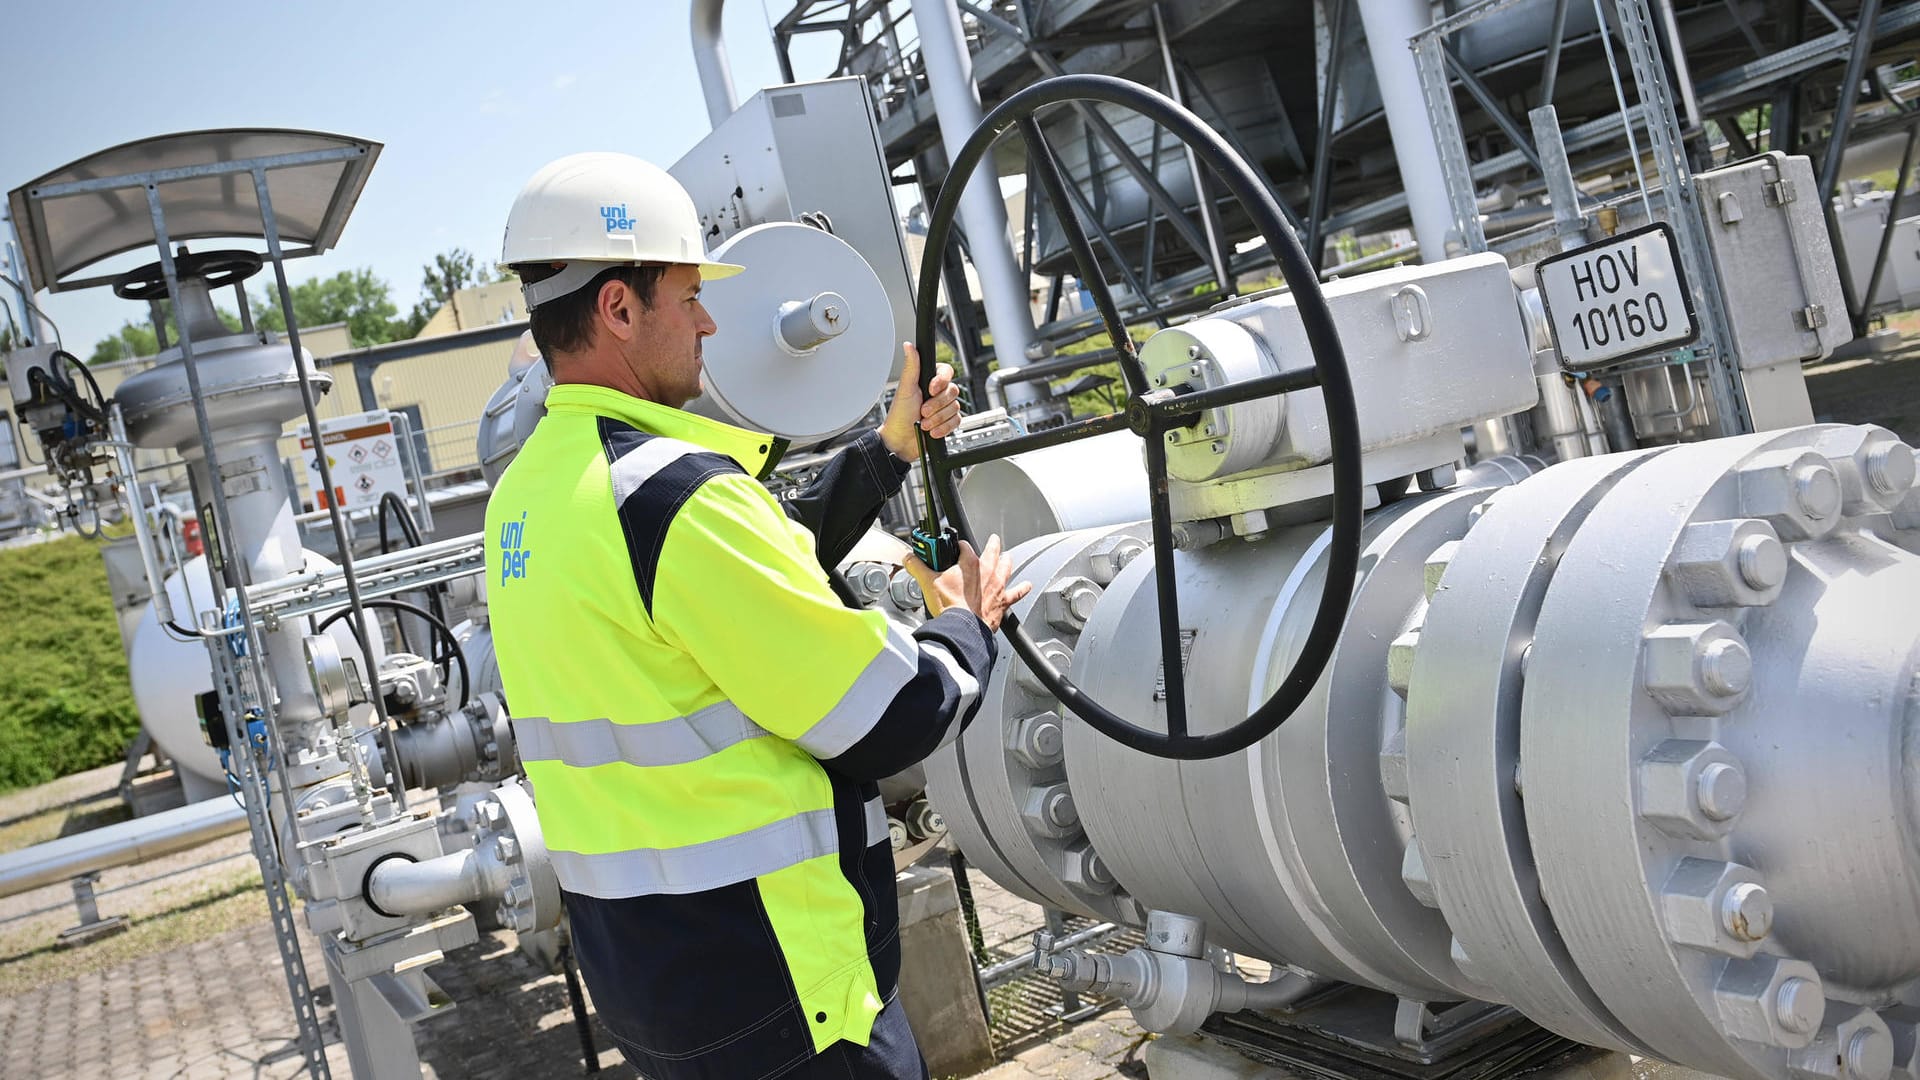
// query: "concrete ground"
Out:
[195,987]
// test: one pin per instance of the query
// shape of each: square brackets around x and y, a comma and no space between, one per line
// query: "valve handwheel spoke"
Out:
[1151,413]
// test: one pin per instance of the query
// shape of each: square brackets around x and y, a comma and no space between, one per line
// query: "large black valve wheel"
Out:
[1150,413]
[219,268]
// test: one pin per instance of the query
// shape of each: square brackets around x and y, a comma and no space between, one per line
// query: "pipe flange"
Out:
[1676,738]
[1461,757]
[509,832]
[1003,786]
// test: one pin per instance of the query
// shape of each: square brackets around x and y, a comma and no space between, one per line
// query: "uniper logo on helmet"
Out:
[616,218]
[596,209]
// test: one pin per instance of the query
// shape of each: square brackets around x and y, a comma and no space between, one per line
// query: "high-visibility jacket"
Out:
[702,721]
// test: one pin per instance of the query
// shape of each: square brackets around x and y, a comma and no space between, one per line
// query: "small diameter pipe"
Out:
[123,457]
[1283,991]
[124,844]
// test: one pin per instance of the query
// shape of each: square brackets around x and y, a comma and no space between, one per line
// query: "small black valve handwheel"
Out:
[218,268]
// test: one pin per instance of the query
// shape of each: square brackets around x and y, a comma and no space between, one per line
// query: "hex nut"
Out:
[1437,566]
[1906,1049]
[924,821]
[1084,871]
[1715,906]
[1049,811]
[1859,1047]
[1906,515]
[1875,469]
[905,593]
[1400,661]
[1056,653]
[1393,766]
[1673,797]
[1111,554]
[1068,602]
[1770,1000]
[1413,871]
[1729,563]
[1037,741]
[1461,959]
[1795,491]
[1696,669]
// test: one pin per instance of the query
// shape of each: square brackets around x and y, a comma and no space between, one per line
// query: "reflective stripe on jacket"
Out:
[702,720]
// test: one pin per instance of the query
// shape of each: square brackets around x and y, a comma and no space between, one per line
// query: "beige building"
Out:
[481,305]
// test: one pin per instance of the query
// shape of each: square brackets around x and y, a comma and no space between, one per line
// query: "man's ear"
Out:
[614,307]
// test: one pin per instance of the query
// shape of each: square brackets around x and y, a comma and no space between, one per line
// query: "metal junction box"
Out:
[1778,276]
[805,148]
[1776,264]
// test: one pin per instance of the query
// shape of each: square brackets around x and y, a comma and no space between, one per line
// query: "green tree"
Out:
[131,340]
[448,273]
[136,339]
[355,297]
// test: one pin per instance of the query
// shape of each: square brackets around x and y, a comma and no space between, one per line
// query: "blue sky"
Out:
[470,99]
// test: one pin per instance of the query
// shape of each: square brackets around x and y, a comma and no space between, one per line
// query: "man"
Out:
[701,719]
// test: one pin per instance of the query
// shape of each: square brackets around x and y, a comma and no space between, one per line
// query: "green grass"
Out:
[193,909]
[65,703]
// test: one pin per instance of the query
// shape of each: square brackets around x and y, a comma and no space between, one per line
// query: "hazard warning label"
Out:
[362,453]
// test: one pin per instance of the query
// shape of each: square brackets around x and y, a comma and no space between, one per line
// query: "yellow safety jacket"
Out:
[702,721]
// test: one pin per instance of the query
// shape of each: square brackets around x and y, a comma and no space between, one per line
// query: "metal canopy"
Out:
[96,208]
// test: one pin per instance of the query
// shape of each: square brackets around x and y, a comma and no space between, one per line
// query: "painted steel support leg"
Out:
[379,1039]
[1847,99]
[943,47]
[1389,24]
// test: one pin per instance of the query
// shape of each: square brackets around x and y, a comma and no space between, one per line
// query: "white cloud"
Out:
[561,82]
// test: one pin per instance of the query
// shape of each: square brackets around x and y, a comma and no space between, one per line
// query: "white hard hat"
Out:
[592,211]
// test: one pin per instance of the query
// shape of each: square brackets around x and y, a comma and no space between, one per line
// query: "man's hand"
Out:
[938,414]
[977,583]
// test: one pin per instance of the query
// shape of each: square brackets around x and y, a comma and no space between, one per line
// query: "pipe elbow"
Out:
[402,887]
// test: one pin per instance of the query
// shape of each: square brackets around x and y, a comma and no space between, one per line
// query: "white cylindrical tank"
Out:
[168,673]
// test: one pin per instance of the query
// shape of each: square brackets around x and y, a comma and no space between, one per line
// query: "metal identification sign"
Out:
[1617,299]
[364,455]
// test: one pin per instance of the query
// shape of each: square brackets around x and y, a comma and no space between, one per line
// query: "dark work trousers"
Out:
[891,1054]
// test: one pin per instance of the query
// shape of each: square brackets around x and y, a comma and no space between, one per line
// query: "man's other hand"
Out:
[938,414]
[977,583]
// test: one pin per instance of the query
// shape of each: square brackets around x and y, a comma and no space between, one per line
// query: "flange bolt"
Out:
[1799,1005]
[1763,562]
[1747,911]
[1890,468]
[1722,791]
[1726,666]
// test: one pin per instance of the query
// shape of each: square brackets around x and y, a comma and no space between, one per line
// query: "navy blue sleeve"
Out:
[844,501]
[955,654]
